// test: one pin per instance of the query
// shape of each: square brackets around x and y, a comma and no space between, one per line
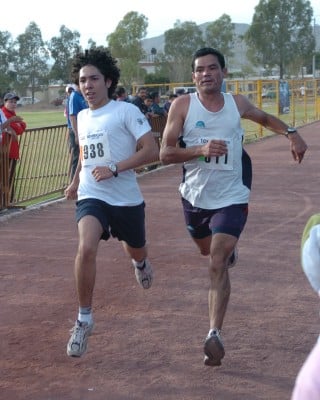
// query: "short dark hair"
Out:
[100,58]
[120,91]
[204,52]
[141,88]
[154,95]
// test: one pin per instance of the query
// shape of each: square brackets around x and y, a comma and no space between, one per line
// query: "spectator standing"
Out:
[148,101]
[167,104]
[121,94]
[217,174]
[181,92]
[5,124]
[109,200]
[69,89]
[155,107]
[76,103]
[18,127]
[138,100]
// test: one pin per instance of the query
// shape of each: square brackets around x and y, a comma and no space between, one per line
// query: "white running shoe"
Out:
[144,275]
[80,333]
[213,349]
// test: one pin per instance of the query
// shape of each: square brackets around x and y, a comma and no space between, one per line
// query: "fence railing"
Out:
[4,174]
[296,101]
[43,171]
[44,168]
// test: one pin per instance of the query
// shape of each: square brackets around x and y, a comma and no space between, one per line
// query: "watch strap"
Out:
[290,131]
[114,169]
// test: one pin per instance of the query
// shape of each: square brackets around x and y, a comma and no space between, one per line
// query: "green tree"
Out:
[131,73]
[125,44]
[155,78]
[317,60]
[280,33]
[92,44]
[7,73]
[220,34]
[162,69]
[31,60]
[180,44]
[62,49]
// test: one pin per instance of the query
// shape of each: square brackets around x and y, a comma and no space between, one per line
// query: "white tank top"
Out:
[218,183]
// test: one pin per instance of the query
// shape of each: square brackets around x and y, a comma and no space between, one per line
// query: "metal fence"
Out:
[4,173]
[44,166]
[43,171]
[296,101]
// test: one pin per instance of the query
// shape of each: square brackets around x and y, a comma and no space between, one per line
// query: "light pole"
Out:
[314,53]
[315,49]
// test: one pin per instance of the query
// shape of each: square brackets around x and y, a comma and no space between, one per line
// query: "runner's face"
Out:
[93,86]
[208,74]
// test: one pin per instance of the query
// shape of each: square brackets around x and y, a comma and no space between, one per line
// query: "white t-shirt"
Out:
[107,134]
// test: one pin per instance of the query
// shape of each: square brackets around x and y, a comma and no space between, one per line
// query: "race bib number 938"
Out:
[94,149]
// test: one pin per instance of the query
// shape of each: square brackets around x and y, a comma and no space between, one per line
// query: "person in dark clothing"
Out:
[139,99]
[75,105]
[121,94]
[155,107]
[167,104]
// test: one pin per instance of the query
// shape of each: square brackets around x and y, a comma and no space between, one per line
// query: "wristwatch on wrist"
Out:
[290,131]
[113,168]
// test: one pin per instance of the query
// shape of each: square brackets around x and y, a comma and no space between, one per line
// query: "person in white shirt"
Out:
[109,200]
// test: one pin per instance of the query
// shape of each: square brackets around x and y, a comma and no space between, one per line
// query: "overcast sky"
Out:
[98,19]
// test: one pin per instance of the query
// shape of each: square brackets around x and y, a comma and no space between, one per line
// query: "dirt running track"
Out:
[147,345]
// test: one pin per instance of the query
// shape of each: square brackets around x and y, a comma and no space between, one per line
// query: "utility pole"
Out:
[315,48]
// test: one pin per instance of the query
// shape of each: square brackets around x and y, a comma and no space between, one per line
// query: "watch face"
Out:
[112,167]
[291,130]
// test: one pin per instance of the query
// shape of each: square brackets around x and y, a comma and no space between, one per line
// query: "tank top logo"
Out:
[200,124]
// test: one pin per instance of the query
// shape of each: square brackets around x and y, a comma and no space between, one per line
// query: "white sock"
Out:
[85,315]
[215,330]
[138,264]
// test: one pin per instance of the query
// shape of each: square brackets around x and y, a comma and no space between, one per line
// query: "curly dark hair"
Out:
[100,57]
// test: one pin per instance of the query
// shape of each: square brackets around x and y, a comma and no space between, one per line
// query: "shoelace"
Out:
[79,332]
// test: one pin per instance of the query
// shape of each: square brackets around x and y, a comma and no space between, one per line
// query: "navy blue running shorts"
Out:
[126,223]
[202,223]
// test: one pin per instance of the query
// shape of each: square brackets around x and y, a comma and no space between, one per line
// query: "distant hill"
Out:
[239,59]
[235,63]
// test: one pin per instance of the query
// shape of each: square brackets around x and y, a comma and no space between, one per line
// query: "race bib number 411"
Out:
[224,162]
